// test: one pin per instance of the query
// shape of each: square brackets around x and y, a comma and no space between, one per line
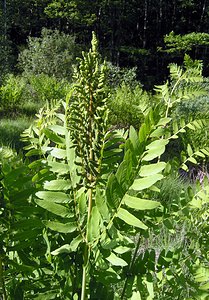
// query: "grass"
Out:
[171,231]
[29,109]
[14,122]
[11,129]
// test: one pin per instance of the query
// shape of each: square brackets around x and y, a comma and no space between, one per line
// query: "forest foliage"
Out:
[130,32]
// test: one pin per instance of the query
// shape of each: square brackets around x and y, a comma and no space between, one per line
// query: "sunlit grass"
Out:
[11,129]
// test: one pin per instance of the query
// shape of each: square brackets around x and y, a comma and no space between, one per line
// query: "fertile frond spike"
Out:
[94,42]
[88,113]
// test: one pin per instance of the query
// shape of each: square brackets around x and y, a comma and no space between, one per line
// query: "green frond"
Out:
[175,72]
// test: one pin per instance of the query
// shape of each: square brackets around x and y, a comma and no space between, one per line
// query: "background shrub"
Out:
[52,54]
[196,108]
[11,92]
[42,88]
[128,105]
[117,75]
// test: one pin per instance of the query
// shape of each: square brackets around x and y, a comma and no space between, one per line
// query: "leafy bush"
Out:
[177,42]
[195,108]
[25,95]
[52,54]
[117,76]
[11,92]
[42,88]
[128,105]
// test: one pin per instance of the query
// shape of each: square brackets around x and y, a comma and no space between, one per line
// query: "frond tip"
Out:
[94,42]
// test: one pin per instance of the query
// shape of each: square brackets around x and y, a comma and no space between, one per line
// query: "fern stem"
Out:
[2,283]
[83,291]
[86,250]
[172,91]
[130,267]
[90,198]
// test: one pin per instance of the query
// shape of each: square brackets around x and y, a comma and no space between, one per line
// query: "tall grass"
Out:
[10,130]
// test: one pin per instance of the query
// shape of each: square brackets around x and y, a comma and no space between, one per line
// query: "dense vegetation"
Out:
[104,182]
[131,33]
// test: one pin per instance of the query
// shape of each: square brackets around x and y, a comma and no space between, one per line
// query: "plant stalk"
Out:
[90,199]
[130,267]
[86,251]
[83,290]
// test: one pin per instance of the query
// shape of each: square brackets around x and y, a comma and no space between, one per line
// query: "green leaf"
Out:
[57,197]
[36,164]
[204,286]
[101,204]
[54,208]
[133,136]
[150,289]
[62,117]
[114,192]
[57,185]
[146,182]
[58,153]
[164,121]
[175,126]
[47,296]
[122,249]
[53,136]
[205,151]
[63,249]
[61,227]
[189,150]
[192,160]
[70,153]
[94,224]
[130,219]
[152,169]
[136,296]
[33,152]
[57,129]
[198,153]
[157,144]
[143,133]
[125,172]
[158,132]
[116,261]
[59,168]
[25,224]
[82,199]
[155,149]
[138,203]
[76,242]
[111,152]
[68,248]
[190,126]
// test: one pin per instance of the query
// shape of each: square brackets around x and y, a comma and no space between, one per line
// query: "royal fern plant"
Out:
[90,196]
[94,194]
